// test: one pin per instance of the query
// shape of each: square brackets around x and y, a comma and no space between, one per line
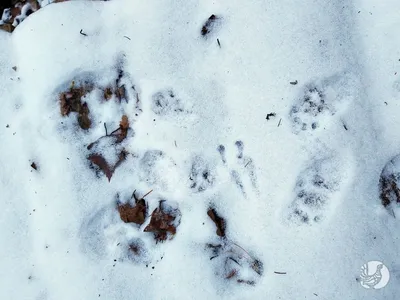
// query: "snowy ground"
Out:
[299,192]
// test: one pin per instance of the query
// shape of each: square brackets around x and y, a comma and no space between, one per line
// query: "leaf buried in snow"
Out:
[218,221]
[163,222]
[71,101]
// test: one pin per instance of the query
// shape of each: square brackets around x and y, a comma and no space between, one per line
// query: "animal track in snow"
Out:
[202,176]
[158,170]
[389,185]
[126,231]
[321,100]
[315,188]
[166,103]
[240,167]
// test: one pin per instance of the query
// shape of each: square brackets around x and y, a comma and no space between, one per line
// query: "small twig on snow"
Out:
[148,193]
[81,32]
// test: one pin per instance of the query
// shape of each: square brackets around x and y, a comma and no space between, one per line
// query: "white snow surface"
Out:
[302,198]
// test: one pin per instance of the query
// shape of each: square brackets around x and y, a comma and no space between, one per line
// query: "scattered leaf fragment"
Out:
[34,166]
[71,101]
[209,25]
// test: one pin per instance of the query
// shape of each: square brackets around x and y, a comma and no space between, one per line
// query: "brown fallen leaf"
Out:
[133,214]
[163,222]
[102,164]
[99,161]
[218,221]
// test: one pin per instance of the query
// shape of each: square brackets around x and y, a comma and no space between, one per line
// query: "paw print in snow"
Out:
[244,166]
[321,100]
[315,189]
[306,114]
[128,230]
[166,103]
[202,176]
[158,170]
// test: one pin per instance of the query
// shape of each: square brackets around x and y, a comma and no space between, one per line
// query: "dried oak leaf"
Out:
[218,221]
[133,214]
[163,222]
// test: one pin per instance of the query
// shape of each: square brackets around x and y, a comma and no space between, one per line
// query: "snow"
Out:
[301,199]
